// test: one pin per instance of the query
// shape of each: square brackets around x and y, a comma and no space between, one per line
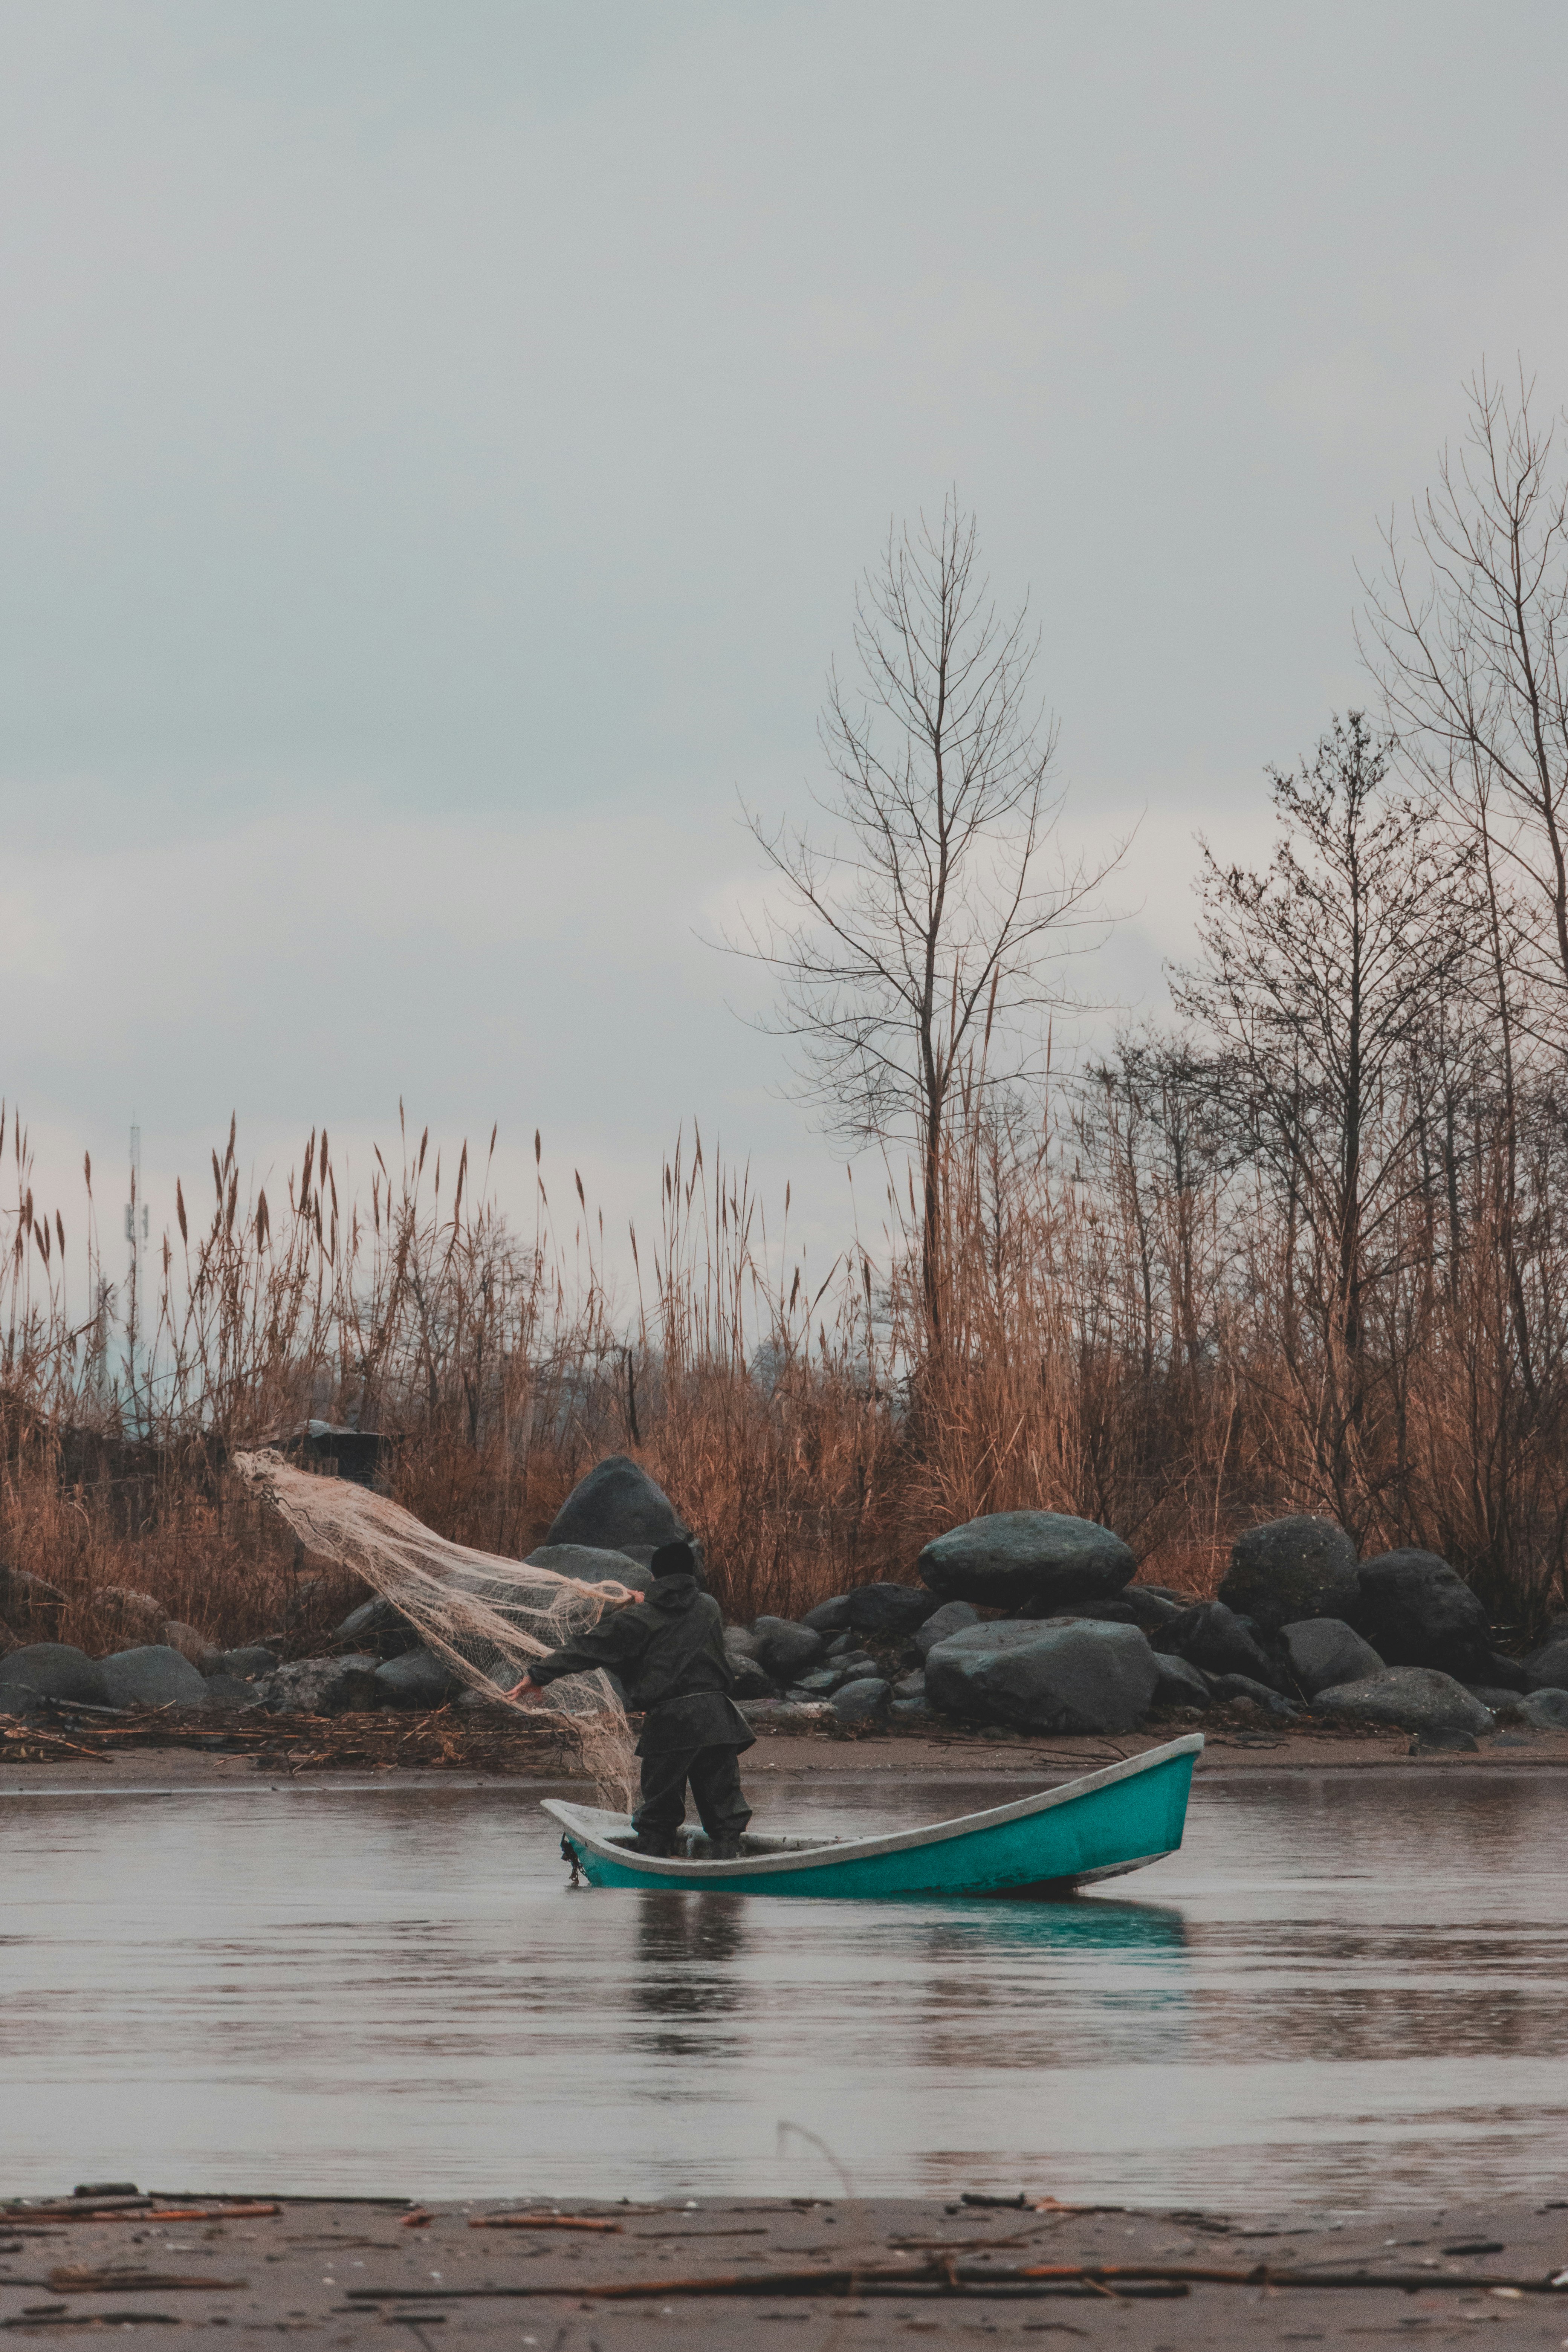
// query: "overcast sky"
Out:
[441,438]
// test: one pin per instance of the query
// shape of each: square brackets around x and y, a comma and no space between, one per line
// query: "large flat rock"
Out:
[1029,1561]
[153,1675]
[1077,1676]
[1414,1699]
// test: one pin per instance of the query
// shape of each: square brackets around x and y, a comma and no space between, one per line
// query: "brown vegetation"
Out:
[1114,1345]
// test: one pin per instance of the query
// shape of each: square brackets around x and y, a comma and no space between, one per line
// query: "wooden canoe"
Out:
[1100,1826]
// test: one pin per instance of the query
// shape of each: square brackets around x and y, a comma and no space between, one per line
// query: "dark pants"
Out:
[715,1777]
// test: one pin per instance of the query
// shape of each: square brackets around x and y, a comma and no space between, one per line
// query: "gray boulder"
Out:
[911,1685]
[1212,1637]
[1140,1605]
[1544,1710]
[1325,1651]
[1415,1612]
[590,1565]
[1506,1704]
[908,1711]
[951,1618]
[417,1682]
[28,1605]
[740,1642]
[863,1701]
[1029,1561]
[1287,1569]
[752,1677]
[829,1616]
[154,1675]
[245,1665]
[50,1670]
[1071,1677]
[1415,1698]
[228,1691]
[1547,1668]
[785,1649]
[1179,1684]
[376,1626]
[853,1663]
[616,1505]
[1228,1688]
[820,1683]
[322,1686]
[888,1612]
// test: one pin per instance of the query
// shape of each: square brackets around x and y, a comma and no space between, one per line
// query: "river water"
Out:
[1344,1992]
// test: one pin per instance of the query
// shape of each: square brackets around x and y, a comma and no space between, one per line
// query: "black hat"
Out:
[674,1560]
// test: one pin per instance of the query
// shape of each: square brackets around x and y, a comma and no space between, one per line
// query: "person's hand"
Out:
[527,1693]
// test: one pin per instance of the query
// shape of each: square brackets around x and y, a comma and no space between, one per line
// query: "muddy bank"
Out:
[868,2272]
[168,1758]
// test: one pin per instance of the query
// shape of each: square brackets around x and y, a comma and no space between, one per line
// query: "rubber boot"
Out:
[725,1848]
[649,1841]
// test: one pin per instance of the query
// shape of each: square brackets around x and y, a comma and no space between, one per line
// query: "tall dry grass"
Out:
[1121,1336]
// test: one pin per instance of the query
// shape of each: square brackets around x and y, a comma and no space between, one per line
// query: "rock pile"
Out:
[1022,1621]
[1299,1626]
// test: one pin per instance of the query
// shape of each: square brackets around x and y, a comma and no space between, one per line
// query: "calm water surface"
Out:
[1341,1992]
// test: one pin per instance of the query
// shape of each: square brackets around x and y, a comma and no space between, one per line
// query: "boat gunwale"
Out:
[830,1852]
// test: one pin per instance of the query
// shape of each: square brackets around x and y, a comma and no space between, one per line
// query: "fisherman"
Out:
[668,1653]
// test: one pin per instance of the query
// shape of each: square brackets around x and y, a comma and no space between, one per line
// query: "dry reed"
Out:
[1112,1344]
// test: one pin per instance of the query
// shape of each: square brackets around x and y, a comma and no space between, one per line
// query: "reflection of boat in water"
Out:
[956,1932]
[1098,1827]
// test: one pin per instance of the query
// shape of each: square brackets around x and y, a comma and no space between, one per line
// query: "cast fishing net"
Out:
[487,1617]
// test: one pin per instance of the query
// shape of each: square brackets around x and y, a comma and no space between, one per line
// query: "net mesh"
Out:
[487,1617]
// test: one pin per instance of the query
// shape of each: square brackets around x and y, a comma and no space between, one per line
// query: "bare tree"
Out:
[1467,634]
[913,945]
[1319,980]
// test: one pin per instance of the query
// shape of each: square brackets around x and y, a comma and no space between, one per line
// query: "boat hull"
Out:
[1098,1827]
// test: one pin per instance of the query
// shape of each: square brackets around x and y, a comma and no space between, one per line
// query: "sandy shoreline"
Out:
[342,2271]
[814,1757]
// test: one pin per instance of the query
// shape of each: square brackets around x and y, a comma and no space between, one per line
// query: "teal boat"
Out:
[1098,1827]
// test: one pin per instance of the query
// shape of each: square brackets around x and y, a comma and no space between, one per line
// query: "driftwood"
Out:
[540,2222]
[128,2209]
[1136,2279]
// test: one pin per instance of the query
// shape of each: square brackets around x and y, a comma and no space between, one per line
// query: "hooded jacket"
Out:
[667,1651]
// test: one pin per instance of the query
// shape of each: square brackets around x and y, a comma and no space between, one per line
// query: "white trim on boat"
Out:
[602,1831]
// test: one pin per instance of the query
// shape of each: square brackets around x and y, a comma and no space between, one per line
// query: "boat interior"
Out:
[692,1846]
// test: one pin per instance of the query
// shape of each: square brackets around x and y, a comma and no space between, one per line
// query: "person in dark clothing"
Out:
[668,1651]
